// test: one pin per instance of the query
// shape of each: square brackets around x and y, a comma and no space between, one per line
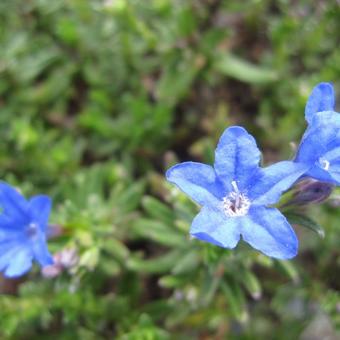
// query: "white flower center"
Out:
[235,203]
[32,229]
[324,163]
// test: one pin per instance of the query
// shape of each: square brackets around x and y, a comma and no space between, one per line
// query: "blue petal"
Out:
[274,180]
[13,203]
[20,264]
[315,143]
[321,99]
[323,130]
[319,144]
[8,239]
[41,253]
[237,156]
[9,225]
[268,231]
[212,225]
[325,118]
[40,207]
[7,252]
[333,153]
[198,181]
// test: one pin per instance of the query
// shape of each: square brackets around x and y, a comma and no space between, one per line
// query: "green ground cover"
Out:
[97,100]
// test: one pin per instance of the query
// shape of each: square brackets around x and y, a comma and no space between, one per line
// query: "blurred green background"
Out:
[97,100]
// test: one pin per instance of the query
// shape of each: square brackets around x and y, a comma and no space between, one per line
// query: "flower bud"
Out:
[310,191]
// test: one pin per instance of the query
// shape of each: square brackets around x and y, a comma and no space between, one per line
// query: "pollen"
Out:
[235,203]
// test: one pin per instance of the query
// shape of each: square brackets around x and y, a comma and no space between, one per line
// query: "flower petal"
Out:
[7,251]
[212,225]
[320,149]
[325,118]
[41,253]
[237,156]
[324,130]
[197,180]
[20,264]
[40,207]
[321,99]
[13,203]
[274,180]
[268,231]
[314,144]
[9,226]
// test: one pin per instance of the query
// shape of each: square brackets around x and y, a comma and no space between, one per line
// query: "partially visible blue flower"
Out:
[235,195]
[320,145]
[321,99]
[22,231]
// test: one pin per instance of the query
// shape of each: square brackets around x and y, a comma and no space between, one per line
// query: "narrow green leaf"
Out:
[171,281]
[250,282]
[115,248]
[161,264]
[243,70]
[288,269]
[187,264]
[235,300]
[306,222]
[210,287]
[131,197]
[158,210]
[158,232]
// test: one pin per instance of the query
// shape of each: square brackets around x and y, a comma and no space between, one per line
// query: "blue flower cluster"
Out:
[237,195]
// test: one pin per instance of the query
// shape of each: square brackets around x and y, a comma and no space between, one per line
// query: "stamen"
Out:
[324,163]
[234,185]
[235,203]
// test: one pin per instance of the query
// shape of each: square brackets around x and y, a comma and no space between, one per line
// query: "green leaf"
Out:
[171,281]
[288,269]
[235,300]
[130,198]
[242,70]
[188,263]
[250,282]
[115,248]
[90,258]
[161,264]
[210,286]
[158,232]
[158,210]
[306,222]
[177,78]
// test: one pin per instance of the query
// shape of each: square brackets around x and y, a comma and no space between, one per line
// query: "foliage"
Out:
[97,100]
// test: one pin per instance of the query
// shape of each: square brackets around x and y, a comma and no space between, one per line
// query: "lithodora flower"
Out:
[23,227]
[236,195]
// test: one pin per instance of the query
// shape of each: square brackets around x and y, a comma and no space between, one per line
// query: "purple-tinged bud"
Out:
[51,271]
[64,259]
[54,230]
[310,191]
[68,257]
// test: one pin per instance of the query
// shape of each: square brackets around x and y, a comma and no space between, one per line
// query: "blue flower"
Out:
[22,231]
[320,145]
[235,195]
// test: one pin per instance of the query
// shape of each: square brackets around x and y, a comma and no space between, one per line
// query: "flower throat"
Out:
[235,203]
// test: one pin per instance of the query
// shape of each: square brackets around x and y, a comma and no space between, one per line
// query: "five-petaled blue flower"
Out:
[235,195]
[320,144]
[22,231]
